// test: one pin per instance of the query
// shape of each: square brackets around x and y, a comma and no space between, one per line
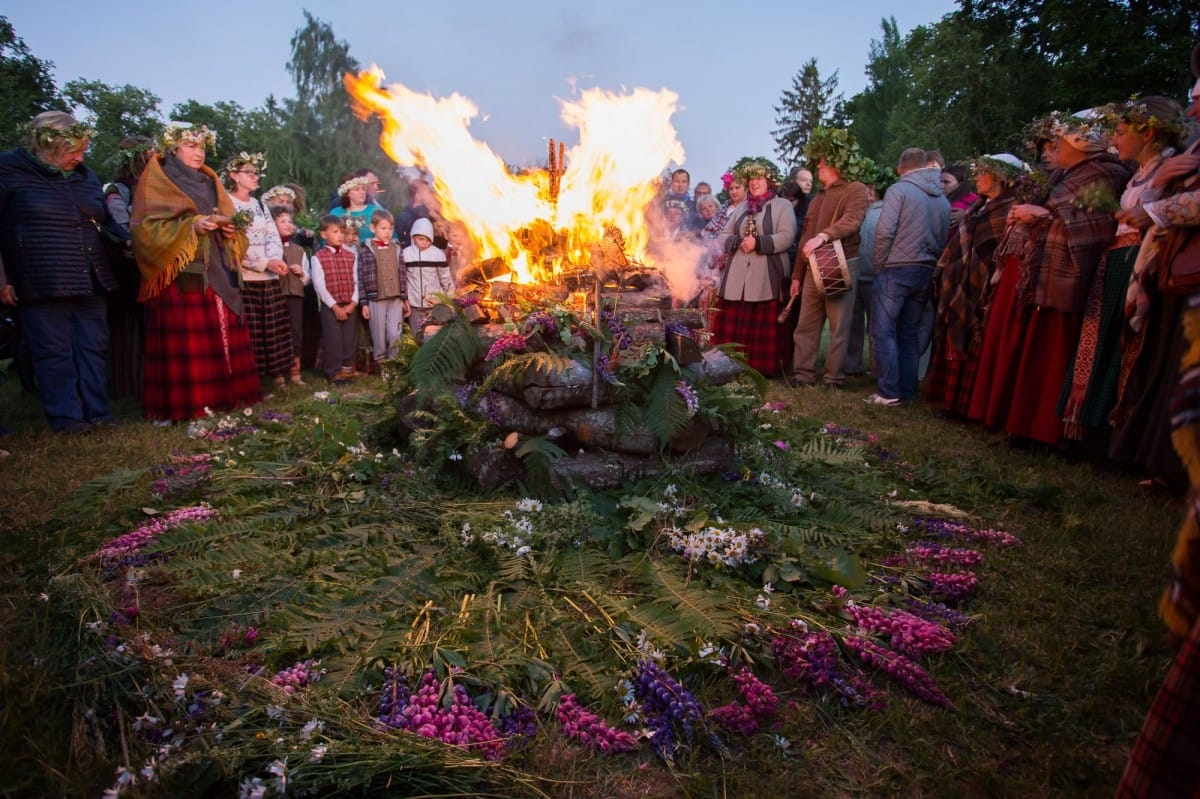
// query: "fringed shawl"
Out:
[164,241]
[1078,235]
[966,268]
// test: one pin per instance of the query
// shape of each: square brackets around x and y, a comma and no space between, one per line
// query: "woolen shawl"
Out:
[164,241]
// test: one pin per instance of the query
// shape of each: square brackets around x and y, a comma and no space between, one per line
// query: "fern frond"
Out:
[666,411]
[445,356]
[513,370]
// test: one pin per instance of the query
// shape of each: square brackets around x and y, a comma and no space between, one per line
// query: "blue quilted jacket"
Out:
[50,246]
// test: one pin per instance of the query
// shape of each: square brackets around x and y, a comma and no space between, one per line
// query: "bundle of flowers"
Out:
[582,725]
[758,706]
[113,551]
[458,723]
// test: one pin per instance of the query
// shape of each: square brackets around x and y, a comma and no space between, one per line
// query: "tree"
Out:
[322,138]
[871,110]
[808,104]
[26,87]
[115,112]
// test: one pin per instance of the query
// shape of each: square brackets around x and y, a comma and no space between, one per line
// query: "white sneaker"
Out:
[878,399]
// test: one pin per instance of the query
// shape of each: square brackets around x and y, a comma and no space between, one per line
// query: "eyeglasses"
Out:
[251,172]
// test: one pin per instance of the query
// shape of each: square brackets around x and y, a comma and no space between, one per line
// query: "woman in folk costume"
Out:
[198,355]
[1165,761]
[755,240]
[261,270]
[1072,230]
[1146,133]
[1005,317]
[1153,338]
[964,275]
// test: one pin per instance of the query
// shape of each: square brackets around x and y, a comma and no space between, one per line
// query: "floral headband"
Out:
[179,132]
[242,159]
[44,136]
[757,168]
[279,191]
[727,180]
[1005,165]
[353,183]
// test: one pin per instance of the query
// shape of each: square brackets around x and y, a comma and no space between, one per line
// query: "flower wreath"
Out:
[353,183]
[278,191]
[45,137]
[177,133]
[758,167]
[236,162]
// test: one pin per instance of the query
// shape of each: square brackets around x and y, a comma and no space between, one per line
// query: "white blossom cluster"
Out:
[515,532]
[715,545]
[796,494]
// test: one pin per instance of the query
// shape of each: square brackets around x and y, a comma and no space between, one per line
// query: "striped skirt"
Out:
[197,357]
[754,325]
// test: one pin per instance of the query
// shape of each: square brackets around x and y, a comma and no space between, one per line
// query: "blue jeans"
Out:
[68,341]
[901,293]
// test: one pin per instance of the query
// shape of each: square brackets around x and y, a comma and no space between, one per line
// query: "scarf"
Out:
[755,204]
[169,196]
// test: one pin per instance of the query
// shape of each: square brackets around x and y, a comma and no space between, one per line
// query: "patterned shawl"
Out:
[1081,228]
[165,243]
[1180,604]
[966,268]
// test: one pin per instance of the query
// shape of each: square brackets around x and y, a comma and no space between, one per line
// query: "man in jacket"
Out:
[910,236]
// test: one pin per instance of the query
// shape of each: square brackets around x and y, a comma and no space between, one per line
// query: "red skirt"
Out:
[198,357]
[950,380]
[1003,343]
[1050,340]
[755,326]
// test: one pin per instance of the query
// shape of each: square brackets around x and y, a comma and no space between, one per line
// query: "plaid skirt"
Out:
[1165,761]
[270,326]
[754,325]
[197,356]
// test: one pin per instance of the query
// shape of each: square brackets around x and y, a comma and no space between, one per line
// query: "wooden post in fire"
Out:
[596,348]
[555,169]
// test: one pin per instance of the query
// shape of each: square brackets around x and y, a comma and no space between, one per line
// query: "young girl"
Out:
[293,283]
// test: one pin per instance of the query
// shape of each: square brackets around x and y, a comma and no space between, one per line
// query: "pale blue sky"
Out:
[728,63]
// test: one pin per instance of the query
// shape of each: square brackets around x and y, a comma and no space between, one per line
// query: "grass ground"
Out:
[1051,682]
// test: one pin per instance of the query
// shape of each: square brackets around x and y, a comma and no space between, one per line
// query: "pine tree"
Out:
[810,103]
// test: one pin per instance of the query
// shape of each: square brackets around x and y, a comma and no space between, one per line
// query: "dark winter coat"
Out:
[52,248]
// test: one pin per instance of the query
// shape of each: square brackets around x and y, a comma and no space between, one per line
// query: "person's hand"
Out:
[811,245]
[1025,213]
[956,216]
[795,289]
[366,312]
[277,267]
[8,295]
[205,224]
[748,244]
[339,313]
[296,269]
[1176,167]
[407,308]
[1134,217]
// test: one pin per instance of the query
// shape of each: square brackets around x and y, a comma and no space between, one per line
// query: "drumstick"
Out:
[787,309]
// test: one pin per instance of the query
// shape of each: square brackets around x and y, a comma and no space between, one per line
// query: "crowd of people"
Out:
[1053,299]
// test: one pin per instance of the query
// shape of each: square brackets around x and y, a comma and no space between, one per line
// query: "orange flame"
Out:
[607,179]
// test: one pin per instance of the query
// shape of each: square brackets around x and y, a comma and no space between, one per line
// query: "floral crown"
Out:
[242,159]
[757,167]
[177,133]
[278,191]
[727,180]
[44,137]
[839,149]
[353,183]
[1005,165]
[1136,113]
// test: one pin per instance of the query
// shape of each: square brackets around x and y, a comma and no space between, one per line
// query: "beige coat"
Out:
[757,276]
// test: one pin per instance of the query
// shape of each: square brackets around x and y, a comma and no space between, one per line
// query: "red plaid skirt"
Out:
[753,325]
[1165,761]
[197,356]
[269,324]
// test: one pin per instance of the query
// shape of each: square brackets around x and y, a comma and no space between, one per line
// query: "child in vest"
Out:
[383,284]
[293,283]
[428,273]
[335,279]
